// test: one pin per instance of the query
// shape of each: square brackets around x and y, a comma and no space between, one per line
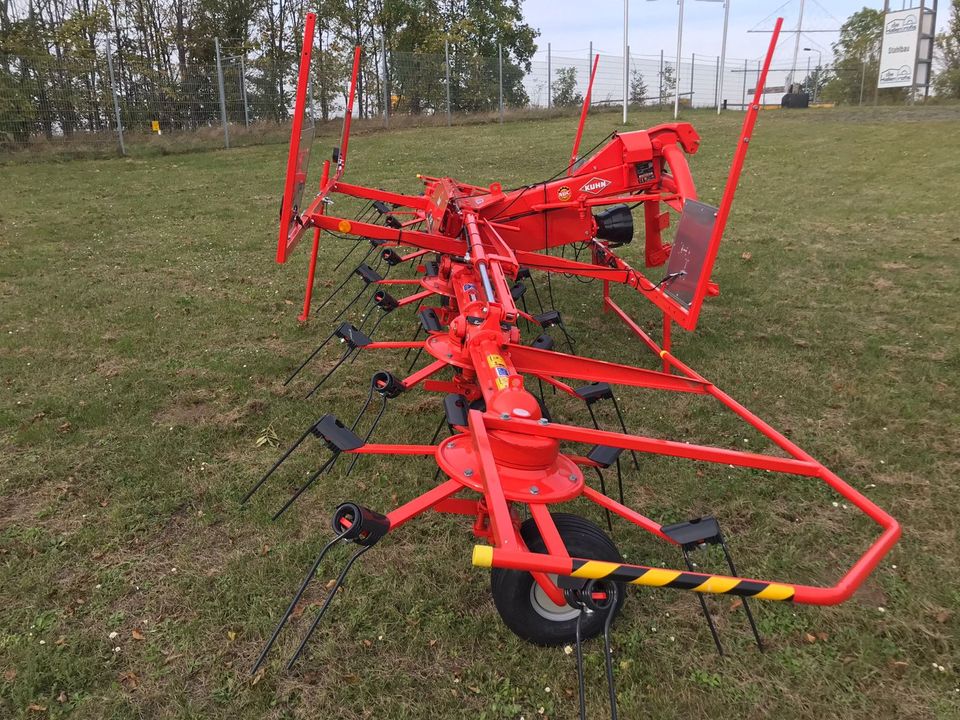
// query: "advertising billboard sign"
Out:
[898,54]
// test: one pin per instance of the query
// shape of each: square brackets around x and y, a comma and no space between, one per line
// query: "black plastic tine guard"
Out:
[429,320]
[391,257]
[337,437]
[354,339]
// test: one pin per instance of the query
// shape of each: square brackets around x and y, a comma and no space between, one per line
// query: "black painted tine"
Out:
[703,606]
[623,426]
[746,605]
[332,370]
[536,292]
[350,304]
[580,681]
[603,489]
[278,463]
[608,654]
[414,339]
[310,357]
[323,468]
[293,603]
[349,253]
[373,426]
[326,604]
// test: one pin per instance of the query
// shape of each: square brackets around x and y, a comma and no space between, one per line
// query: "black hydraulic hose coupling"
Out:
[386,384]
[385,301]
[362,525]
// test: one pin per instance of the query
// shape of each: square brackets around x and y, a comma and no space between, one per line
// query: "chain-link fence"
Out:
[116,99]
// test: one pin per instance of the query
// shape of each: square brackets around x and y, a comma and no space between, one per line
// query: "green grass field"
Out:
[144,335]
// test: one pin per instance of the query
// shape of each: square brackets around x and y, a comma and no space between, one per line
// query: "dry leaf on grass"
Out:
[129,680]
[137,635]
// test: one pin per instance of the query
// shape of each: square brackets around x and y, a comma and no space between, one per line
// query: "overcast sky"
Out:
[570,25]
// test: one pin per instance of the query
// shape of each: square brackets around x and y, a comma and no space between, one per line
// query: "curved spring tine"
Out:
[349,253]
[366,439]
[326,604]
[293,603]
[623,426]
[323,468]
[330,372]
[746,606]
[278,463]
[580,681]
[608,655]
[603,489]
[350,304]
[310,357]
[341,285]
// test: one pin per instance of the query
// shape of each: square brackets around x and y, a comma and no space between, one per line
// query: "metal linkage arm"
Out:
[547,362]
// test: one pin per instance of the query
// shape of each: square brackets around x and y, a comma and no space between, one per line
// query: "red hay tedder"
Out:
[556,577]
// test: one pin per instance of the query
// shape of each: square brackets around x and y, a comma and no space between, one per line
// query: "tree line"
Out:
[54,76]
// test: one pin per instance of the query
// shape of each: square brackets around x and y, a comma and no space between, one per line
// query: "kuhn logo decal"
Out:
[595,185]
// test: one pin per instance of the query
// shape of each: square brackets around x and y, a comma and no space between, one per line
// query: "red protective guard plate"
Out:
[301,140]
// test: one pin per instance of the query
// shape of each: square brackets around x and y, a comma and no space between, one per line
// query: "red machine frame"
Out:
[509,455]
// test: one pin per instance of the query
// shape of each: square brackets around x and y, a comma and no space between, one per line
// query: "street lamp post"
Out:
[723,52]
[816,87]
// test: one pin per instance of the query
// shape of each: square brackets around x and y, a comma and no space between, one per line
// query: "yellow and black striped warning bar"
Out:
[659,577]
[483,556]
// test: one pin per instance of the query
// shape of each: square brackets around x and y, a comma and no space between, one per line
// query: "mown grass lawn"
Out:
[144,335]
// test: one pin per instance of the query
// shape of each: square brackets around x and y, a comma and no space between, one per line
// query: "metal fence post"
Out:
[660,94]
[243,93]
[116,102]
[223,100]
[743,101]
[549,80]
[446,50]
[629,99]
[693,69]
[863,75]
[386,85]
[763,97]
[590,64]
[716,92]
[500,61]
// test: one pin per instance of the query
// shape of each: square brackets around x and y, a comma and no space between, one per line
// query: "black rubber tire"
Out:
[511,589]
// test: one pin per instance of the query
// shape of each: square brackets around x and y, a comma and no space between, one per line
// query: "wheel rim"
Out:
[547,608]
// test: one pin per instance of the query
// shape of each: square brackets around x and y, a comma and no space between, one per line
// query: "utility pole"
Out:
[676,87]
[723,54]
[796,47]
[626,58]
